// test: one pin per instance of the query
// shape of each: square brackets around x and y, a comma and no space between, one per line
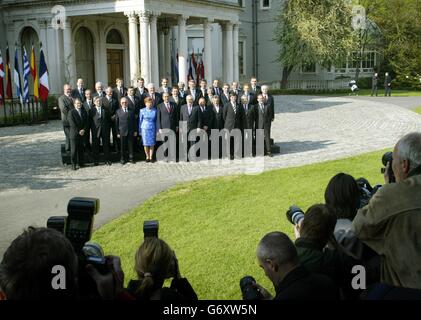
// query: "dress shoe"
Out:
[74,167]
[147,160]
[122,162]
[132,161]
[109,163]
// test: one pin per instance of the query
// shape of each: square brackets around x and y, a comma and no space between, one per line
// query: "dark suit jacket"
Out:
[117,94]
[205,118]
[263,118]
[87,107]
[112,105]
[77,123]
[165,119]
[141,96]
[252,97]
[257,91]
[223,99]
[249,118]
[100,125]
[135,106]
[158,98]
[217,117]
[126,124]
[76,94]
[214,91]
[387,81]
[192,119]
[65,104]
[183,94]
[271,104]
[233,120]
[201,95]
[95,94]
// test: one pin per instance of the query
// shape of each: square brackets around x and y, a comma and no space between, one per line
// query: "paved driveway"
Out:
[34,185]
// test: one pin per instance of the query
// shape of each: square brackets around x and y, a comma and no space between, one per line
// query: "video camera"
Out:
[388,158]
[248,290]
[77,227]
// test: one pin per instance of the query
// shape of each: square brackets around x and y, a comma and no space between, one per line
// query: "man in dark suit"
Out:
[100,124]
[216,90]
[65,103]
[203,91]
[192,91]
[155,96]
[270,101]
[217,116]
[249,122]
[87,105]
[254,88]
[164,88]
[99,92]
[126,127]
[166,117]
[225,94]
[133,101]
[233,119]
[141,92]
[119,91]
[263,121]
[189,113]
[235,89]
[175,98]
[79,91]
[78,122]
[113,105]
[205,116]
[251,98]
[374,84]
[181,90]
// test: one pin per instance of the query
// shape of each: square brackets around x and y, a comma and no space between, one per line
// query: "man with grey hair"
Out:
[391,221]
[155,96]
[277,256]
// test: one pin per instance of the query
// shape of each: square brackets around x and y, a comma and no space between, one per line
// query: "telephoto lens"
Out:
[295,215]
[248,290]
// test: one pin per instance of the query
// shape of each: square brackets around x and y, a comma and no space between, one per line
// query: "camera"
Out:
[150,229]
[388,157]
[77,227]
[248,290]
[295,215]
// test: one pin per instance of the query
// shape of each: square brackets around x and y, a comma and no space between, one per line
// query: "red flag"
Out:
[9,94]
[43,78]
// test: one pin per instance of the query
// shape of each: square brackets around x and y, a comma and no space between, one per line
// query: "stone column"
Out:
[208,51]
[154,51]
[228,53]
[182,49]
[236,73]
[145,70]
[167,55]
[69,59]
[161,49]
[133,46]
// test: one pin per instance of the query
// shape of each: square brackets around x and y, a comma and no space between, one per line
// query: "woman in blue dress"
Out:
[147,127]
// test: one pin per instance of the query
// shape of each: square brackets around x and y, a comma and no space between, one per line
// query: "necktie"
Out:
[234,107]
[262,108]
[99,111]
[203,109]
[168,107]
[189,110]
[245,108]
[153,99]
[125,110]
[80,114]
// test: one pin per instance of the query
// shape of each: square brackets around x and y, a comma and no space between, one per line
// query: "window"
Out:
[114,37]
[241,58]
[265,4]
[368,60]
[308,68]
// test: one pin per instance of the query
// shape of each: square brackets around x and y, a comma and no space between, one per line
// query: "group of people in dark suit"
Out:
[89,119]
[387,84]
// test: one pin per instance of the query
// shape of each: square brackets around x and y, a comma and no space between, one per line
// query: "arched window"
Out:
[114,37]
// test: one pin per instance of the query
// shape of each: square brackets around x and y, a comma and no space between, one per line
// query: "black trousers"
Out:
[105,145]
[126,143]
[66,130]
[268,148]
[76,150]
[86,140]
[116,141]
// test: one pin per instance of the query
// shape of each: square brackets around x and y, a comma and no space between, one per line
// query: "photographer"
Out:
[155,261]
[313,235]
[278,257]
[343,198]
[26,271]
[390,223]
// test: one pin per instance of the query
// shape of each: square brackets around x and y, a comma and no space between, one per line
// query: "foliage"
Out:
[314,31]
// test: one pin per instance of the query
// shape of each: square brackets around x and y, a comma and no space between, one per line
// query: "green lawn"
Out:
[417,110]
[214,225]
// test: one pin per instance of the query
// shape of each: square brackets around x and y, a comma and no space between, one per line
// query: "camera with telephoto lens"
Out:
[248,290]
[77,227]
[295,215]
[150,229]
[388,158]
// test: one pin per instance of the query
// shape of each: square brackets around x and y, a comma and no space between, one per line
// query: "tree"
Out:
[313,31]
[400,23]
